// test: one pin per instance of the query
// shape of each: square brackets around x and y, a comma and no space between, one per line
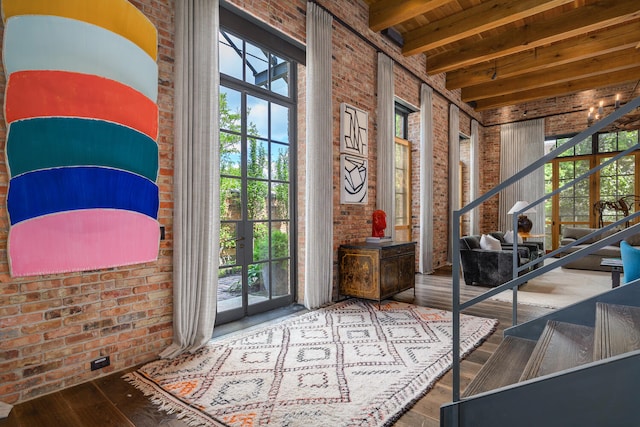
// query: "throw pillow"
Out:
[488,242]
[508,237]
[634,239]
[630,262]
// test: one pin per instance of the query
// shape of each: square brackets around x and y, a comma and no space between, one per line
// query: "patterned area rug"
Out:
[346,365]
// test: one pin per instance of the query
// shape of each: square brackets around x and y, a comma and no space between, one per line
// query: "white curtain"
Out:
[425,263]
[319,161]
[385,197]
[521,144]
[196,223]
[474,190]
[454,169]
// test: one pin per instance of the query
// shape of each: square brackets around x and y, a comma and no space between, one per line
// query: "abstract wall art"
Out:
[354,179]
[354,131]
[82,128]
[354,149]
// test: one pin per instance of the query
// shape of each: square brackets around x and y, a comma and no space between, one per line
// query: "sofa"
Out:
[488,267]
[592,261]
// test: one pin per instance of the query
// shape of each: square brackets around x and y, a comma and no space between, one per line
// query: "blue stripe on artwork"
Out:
[66,189]
[42,42]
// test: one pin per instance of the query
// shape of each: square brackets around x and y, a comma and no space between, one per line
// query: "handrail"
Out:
[457,307]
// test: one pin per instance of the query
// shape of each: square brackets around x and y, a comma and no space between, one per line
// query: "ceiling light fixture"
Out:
[597,113]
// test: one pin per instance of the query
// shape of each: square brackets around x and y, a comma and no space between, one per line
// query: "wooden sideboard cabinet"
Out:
[376,271]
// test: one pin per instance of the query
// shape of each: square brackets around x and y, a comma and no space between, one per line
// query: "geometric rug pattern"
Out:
[350,364]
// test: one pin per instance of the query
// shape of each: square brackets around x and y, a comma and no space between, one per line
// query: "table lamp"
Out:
[524,223]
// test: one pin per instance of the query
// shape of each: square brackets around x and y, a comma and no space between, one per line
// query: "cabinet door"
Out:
[406,271]
[359,273]
[389,275]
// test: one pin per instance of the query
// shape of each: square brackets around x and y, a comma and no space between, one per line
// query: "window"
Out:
[402,177]
[576,205]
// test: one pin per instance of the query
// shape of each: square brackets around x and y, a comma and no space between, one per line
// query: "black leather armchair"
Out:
[536,249]
[486,267]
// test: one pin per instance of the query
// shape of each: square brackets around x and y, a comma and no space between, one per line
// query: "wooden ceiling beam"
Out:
[484,17]
[387,13]
[573,49]
[587,18]
[603,80]
[595,66]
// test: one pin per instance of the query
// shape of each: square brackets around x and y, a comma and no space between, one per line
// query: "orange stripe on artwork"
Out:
[37,93]
[118,16]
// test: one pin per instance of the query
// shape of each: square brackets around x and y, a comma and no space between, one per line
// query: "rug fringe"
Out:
[183,411]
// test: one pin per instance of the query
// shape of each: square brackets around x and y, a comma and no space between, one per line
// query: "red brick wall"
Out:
[51,327]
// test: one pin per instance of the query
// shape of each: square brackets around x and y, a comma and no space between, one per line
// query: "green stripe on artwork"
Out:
[52,142]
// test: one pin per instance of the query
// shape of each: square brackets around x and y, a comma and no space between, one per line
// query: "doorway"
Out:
[257,153]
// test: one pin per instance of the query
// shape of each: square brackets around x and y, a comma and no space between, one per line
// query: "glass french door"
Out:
[255,254]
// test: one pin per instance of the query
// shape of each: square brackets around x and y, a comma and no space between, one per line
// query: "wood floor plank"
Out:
[50,410]
[92,408]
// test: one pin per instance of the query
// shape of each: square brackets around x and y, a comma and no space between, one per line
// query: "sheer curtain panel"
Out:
[385,197]
[196,223]
[454,168]
[474,172]
[425,263]
[520,145]
[319,161]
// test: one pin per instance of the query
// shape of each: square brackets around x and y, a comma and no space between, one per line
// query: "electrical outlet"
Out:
[100,363]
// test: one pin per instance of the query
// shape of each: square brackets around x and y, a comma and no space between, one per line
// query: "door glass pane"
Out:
[230,108]
[258,282]
[228,240]
[279,162]
[279,201]
[230,55]
[257,163]
[260,241]
[279,240]
[230,146]
[280,275]
[229,288]
[279,123]
[230,198]
[257,117]
[257,196]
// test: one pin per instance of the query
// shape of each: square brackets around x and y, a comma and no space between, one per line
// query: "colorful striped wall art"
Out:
[82,128]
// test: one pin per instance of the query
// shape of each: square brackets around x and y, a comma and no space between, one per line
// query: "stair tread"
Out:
[503,367]
[561,346]
[617,330]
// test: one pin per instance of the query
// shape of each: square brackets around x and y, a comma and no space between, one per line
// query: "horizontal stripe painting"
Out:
[82,128]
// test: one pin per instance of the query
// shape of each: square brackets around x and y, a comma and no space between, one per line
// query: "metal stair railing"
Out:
[517,279]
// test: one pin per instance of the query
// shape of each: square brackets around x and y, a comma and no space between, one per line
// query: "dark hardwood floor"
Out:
[110,401]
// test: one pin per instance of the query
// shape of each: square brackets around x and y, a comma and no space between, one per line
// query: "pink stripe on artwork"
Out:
[82,240]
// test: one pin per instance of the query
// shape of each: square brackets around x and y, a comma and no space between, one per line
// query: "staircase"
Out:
[579,371]
[576,366]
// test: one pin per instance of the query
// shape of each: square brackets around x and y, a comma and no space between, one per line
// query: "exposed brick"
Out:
[35,370]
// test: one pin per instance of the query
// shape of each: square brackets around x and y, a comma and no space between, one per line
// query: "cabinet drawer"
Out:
[391,251]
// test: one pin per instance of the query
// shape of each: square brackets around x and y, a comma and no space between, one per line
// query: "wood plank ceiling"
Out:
[507,52]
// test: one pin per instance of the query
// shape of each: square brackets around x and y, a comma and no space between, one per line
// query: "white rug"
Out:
[560,287]
[350,364]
